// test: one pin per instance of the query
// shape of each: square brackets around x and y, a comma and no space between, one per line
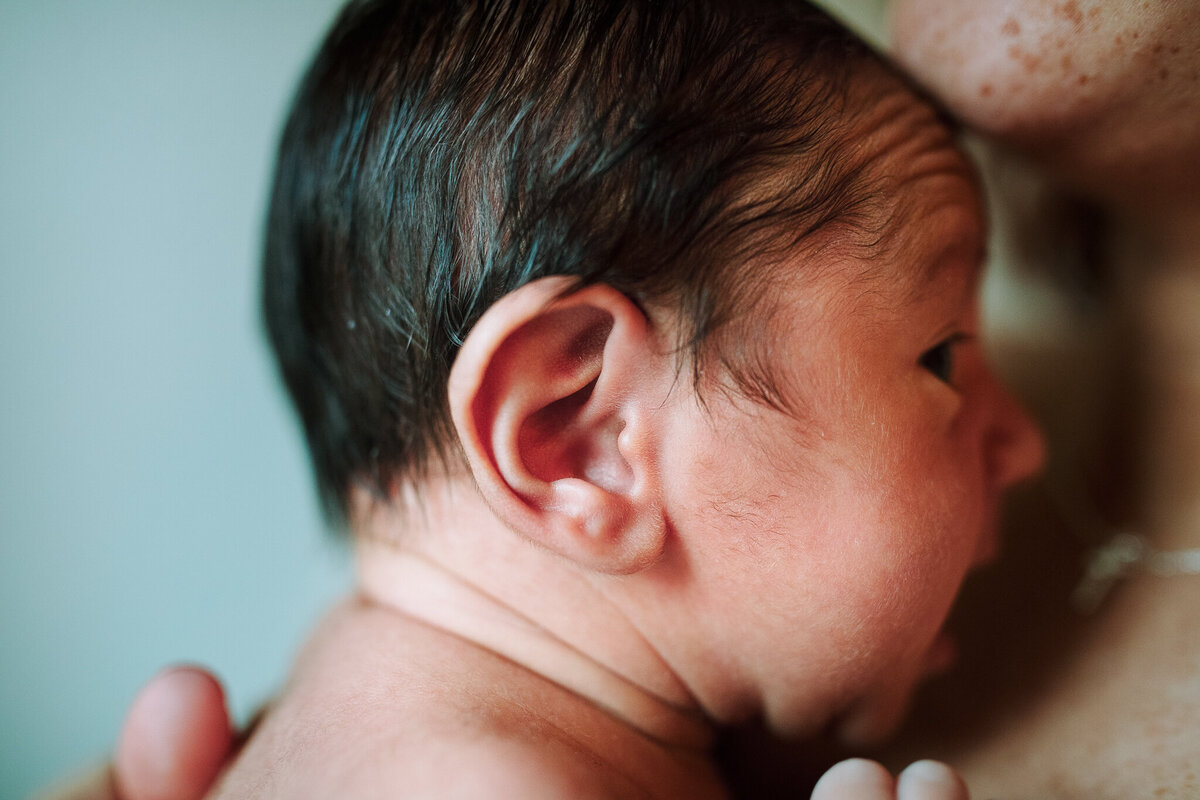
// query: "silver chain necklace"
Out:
[1125,554]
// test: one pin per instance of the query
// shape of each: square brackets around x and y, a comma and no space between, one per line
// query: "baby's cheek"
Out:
[887,591]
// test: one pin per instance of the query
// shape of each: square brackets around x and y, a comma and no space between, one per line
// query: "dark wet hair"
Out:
[442,153]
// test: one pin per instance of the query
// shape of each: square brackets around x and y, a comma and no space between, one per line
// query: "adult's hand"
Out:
[176,738]
[858,779]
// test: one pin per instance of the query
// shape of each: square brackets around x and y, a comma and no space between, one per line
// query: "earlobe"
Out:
[552,396]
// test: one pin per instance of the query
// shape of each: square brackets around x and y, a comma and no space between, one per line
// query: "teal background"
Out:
[154,495]
[155,503]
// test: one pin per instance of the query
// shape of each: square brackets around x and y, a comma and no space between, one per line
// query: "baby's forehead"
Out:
[929,230]
[924,204]
[928,215]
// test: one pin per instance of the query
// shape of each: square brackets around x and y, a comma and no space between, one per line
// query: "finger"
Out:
[930,780]
[856,779]
[176,737]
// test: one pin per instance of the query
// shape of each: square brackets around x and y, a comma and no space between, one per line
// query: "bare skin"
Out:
[576,612]
[1102,94]
[453,736]
[1105,97]
[619,568]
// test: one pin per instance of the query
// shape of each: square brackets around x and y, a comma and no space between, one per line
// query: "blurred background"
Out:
[155,503]
[154,495]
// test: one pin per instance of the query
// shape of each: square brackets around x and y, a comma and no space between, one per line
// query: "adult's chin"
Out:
[1004,67]
[1101,93]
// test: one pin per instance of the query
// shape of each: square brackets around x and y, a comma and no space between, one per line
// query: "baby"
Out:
[635,344]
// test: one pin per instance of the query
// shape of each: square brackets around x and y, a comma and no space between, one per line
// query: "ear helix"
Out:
[544,391]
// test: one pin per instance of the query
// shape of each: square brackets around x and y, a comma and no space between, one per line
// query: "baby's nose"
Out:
[1016,446]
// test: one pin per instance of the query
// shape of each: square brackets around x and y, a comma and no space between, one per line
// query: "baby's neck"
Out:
[455,570]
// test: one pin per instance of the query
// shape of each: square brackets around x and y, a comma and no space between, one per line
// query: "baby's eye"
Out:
[939,360]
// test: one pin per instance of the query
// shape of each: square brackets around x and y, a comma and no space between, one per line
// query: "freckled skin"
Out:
[1070,12]
[1066,82]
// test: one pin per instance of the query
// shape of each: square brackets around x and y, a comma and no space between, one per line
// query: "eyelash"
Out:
[939,360]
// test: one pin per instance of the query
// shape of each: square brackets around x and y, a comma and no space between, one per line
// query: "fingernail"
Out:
[930,780]
[855,777]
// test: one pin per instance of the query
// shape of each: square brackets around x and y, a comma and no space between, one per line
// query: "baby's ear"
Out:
[557,396]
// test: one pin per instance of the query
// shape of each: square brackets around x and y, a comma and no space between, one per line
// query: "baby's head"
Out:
[755,371]
[442,154]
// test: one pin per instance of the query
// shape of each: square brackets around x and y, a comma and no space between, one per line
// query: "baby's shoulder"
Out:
[487,766]
[369,714]
[411,748]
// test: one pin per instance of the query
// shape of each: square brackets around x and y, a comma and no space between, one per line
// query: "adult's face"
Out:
[1106,93]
